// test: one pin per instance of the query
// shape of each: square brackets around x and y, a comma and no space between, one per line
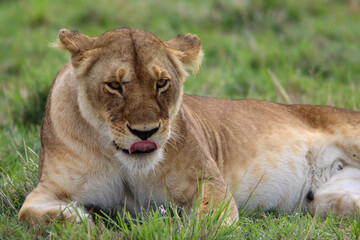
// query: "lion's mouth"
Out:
[143,146]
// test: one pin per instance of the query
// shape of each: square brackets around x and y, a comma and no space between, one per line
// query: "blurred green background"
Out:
[286,51]
[311,47]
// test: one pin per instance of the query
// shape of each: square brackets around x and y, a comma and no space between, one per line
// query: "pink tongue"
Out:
[142,146]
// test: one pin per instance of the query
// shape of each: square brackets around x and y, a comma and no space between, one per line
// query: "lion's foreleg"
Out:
[42,206]
[215,197]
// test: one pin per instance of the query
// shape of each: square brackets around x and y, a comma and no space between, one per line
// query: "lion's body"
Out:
[279,156]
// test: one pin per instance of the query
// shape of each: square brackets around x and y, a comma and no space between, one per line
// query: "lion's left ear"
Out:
[188,49]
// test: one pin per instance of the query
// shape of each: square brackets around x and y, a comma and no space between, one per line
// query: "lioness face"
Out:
[129,87]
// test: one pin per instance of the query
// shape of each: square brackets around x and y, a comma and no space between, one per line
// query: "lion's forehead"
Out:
[128,54]
[131,45]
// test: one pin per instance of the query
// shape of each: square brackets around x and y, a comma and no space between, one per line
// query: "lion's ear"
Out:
[75,42]
[188,49]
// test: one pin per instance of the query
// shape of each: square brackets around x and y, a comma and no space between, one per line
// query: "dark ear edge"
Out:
[188,49]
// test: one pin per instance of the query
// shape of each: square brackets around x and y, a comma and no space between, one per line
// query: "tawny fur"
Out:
[273,154]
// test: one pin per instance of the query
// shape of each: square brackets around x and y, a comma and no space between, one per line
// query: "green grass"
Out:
[309,48]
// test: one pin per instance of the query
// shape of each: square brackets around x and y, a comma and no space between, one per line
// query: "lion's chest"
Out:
[111,189]
[104,189]
[145,191]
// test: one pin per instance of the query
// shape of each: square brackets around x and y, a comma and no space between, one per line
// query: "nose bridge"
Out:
[142,112]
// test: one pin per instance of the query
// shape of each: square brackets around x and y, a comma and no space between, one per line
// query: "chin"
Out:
[140,163]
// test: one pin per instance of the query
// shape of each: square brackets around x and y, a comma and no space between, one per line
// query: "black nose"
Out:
[143,134]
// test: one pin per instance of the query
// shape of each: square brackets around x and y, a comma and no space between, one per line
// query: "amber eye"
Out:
[115,86]
[161,83]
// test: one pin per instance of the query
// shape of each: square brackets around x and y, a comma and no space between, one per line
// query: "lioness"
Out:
[117,128]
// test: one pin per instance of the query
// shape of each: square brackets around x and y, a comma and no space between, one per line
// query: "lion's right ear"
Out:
[76,43]
[73,41]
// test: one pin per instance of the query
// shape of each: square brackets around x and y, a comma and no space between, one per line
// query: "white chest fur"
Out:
[111,189]
[103,189]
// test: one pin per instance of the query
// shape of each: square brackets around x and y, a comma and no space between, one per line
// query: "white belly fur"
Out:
[283,184]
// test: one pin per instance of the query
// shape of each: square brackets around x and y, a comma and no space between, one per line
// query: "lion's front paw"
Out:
[74,212]
[34,214]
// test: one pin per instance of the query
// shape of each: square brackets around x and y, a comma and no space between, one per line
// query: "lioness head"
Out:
[130,87]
